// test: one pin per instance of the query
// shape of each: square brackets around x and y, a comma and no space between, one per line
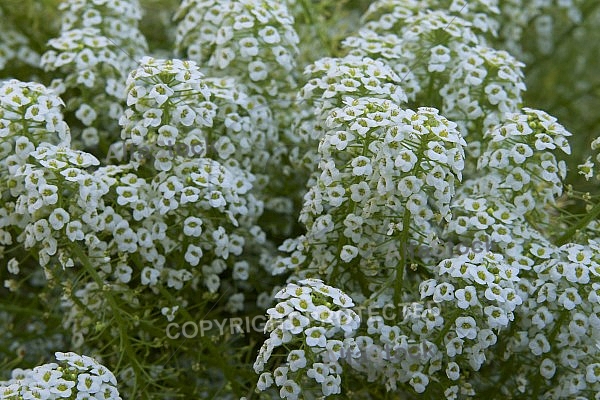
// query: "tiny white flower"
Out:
[315,336]
[58,218]
[192,226]
[258,70]
[149,276]
[318,372]
[453,371]
[289,390]
[348,253]
[296,360]
[193,255]
[466,327]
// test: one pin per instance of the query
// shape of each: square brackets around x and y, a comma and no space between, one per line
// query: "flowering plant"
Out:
[294,199]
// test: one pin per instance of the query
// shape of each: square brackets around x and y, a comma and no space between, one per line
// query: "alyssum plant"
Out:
[230,169]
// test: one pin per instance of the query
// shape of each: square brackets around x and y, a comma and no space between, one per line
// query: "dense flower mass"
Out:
[260,199]
[74,376]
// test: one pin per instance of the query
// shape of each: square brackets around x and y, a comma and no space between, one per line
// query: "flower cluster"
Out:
[168,105]
[329,82]
[74,376]
[587,168]
[98,46]
[385,173]
[558,322]
[30,114]
[520,149]
[432,349]
[478,15]
[253,39]
[174,110]
[475,83]
[317,322]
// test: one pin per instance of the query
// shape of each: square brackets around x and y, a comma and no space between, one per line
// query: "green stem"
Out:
[401,264]
[125,344]
[593,214]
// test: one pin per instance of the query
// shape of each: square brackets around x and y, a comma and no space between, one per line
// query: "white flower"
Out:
[75,231]
[257,70]
[265,381]
[348,253]
[289,390]
[539,345]
[58,218]
[405,160]
[269,34]
[419,382]
[359,191]
[592,373]
[160,93]
[86,114]
[466,327]
[361,166]
[296,359]
[280,375]
[443,292]
[295,323]
[496,317]
[547,368]
[49,194]
[123,272]
[454,347]
[302,303]
[315,336]
[569,299]
[331,385]
[88,383]
[248,47]
[466,297]
[241,270]
[192,226]
[149,276]
[193,254]
[453,371]
[281,310]
[318,372]
[322,313]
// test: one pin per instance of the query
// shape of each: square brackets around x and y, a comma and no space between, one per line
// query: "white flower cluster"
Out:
[74,377]
[329,82]
[168,104]
[558,322]
[30,114]
[395,15]
[174,113]
[115,19]
[587,168]
[384,171]
[60,203]
[520,150]
[253,39]
[441,49]
[317,322]
[408,130]
[98,46]
[455,333]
